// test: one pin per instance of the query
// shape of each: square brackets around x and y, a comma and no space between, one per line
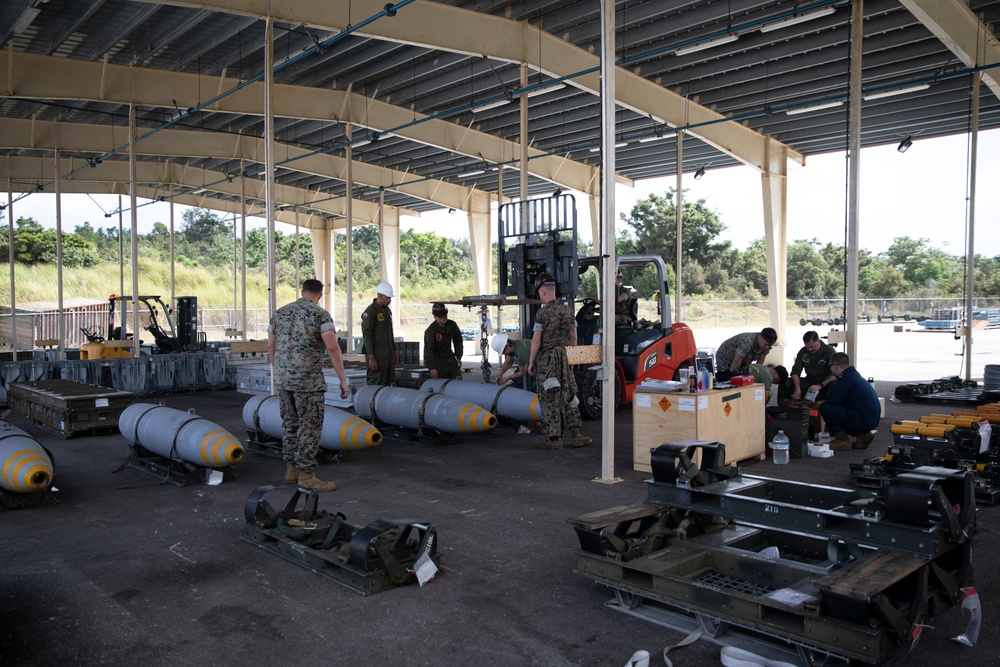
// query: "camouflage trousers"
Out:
[556,390]
[301,427]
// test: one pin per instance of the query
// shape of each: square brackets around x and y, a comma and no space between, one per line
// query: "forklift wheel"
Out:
[589,392]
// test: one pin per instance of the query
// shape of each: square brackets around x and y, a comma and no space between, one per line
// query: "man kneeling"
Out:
[851,408]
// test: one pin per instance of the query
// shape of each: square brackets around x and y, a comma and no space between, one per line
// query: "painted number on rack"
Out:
[772,509]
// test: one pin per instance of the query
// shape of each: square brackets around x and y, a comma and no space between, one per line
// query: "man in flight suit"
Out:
[380,346]
[443,346]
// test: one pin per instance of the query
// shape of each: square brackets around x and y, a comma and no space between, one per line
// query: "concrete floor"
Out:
[124,570]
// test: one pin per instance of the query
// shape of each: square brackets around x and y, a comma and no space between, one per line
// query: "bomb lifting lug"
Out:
[368,559]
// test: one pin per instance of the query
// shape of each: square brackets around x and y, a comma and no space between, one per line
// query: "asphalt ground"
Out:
[116,568]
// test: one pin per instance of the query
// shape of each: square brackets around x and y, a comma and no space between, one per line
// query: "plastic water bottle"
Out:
[779,448]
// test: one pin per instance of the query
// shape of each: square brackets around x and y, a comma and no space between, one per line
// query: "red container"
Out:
[741,380]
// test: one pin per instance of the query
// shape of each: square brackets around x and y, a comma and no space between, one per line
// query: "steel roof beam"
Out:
[443,27]
[47,77]
[98,139]
[158,175]
[962,32]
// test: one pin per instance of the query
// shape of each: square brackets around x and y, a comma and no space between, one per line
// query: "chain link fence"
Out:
[411,319]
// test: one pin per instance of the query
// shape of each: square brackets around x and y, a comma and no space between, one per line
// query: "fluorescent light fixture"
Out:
[905,144]
[552,87]
[815,107]
[621,144]
[896,91]
[470,174]
[707,44]
[649,140]
[486,106]
[27,16]
[798,18]
[595,149]
[363,142]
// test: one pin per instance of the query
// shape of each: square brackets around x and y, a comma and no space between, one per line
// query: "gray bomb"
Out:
[25,465]
[510,402]
[415,409]
[179,435]
[341,430]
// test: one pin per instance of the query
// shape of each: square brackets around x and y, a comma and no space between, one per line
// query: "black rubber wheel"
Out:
[589,393]
[803,321]
[818,322]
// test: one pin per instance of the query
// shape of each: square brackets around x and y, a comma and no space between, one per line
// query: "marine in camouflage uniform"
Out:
[380,346]
[623,304]
[750,347]
[296,343]
[554,329]
[443,346]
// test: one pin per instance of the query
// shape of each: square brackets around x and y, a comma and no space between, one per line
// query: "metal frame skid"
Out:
[368,559]
[811,571]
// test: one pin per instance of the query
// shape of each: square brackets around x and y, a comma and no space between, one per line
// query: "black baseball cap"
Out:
[439,309]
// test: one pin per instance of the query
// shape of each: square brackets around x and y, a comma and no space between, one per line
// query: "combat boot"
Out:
[841,442]
[309,480]
[577,440]
[864,440]
[549,443]
[291,473]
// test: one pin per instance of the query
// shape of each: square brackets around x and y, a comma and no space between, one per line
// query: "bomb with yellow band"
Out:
[341,430]
[510,402]
[25,466]
[416,409]
[179,435]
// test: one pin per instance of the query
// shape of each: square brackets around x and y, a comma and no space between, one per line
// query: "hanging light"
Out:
[699,174]
[798,18]
[814,107]
[486,106]
[542,90]
[707,44]
[904,145]
[892,92]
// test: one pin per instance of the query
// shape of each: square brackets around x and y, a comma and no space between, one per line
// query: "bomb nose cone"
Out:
[341,430]
[25,466]
[179,435]
[415,409]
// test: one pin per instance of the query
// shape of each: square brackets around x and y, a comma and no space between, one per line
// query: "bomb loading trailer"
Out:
[815,571]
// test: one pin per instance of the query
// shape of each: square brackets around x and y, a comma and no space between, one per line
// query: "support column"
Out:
[269,204]
[322,244]
[970,253]
[594,201]
[59,258]
[608,227]
[480,241]
[854,180]
[774,187]
[679,229]
[136,331]
[349,233]
[10,262]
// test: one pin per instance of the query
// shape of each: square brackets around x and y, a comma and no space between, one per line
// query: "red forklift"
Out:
[643,350]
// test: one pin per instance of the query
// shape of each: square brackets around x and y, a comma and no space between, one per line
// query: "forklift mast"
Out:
[534,237]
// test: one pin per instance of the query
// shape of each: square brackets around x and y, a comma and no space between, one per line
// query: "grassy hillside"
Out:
[213,286]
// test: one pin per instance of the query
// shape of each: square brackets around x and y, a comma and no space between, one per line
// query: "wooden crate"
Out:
[734,417]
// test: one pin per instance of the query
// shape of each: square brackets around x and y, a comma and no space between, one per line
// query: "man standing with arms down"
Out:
[555,328]
[443,346]
[296,338]
[380,346]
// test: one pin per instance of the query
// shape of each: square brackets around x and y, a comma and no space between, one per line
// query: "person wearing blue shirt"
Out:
[851,408]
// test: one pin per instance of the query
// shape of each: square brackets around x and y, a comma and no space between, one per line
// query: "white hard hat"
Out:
[499,342]
[385,289]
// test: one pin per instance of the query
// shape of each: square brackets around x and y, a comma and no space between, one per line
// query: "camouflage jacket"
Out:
[376,327]
[442,344]
[299,347]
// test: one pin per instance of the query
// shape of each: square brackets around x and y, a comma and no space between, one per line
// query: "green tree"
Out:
[33,244]
[807,270]
[653,222]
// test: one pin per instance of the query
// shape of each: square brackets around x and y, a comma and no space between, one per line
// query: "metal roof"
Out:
[411,76]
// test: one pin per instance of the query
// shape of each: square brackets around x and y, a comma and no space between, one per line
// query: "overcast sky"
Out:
[920,193]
